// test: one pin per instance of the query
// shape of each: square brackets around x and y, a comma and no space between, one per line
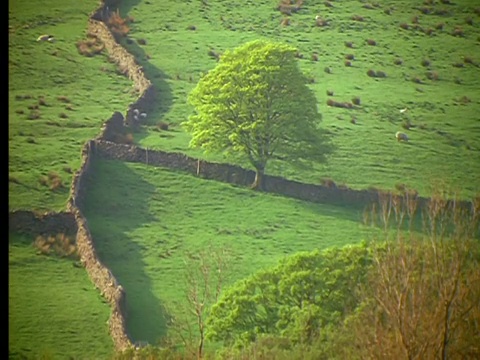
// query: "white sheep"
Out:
[136,112]
[401,136]
[46,38]
[404,110]
[143,115]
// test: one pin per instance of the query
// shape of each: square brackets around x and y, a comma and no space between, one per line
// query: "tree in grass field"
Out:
[256,103]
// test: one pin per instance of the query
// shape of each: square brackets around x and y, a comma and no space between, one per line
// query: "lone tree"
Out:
[256,103]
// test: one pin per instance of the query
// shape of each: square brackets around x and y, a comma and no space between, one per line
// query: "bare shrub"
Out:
[162,126]
[349,56]
[423,291]
[54,181]
[348,63]
[298,55]
[468,60]
[59,245]
[398,61]
[405,26]
[91,46]
[372,73]
[371,42]
[356,100]
[329,183]
[213,54]
[117,25]
[432,75]
[63,115]
[428,31]
[314,57]
[458,31]
[285,21]
[357,18]
[425,62]
[320,22]
[348,44]
[330,92]
[63,99]
[34,115]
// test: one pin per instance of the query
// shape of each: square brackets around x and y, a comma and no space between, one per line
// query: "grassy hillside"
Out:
[144,222]
[57,99]
[53,308]
[432,69]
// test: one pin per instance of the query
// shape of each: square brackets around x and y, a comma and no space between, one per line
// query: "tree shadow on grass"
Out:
[117,203]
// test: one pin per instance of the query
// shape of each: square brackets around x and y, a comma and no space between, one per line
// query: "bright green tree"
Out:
[299,298]
[256,103]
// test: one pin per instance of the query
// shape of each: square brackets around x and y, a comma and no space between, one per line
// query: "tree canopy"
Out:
[256,103]
[298,298]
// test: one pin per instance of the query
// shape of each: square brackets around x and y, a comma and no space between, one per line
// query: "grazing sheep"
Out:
[403,110]
[143,115]
[136,111]
[46,38]
[401,136]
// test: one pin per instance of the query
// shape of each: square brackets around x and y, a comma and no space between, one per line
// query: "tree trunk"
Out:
[258,182]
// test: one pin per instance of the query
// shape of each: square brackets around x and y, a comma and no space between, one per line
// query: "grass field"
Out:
[53,308]
[145,221]
[442,110]
[58,99]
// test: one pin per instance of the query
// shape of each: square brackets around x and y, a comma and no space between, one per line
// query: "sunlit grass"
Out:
[144,223]
[443,109]
[53,308]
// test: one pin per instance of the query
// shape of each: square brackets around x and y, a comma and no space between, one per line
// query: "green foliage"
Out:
[443,129]
[255,102]
[296,299]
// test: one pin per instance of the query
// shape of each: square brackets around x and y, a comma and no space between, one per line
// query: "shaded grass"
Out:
[443,143]
[144,223]
[54,309]
[69,95]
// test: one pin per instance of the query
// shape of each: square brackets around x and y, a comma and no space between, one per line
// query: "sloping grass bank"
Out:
[145,221]
[58,99]
[54,310]
[429,53]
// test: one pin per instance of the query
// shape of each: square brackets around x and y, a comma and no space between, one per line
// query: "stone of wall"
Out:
[112,127]
[244,177]
[100,275]
[127,64]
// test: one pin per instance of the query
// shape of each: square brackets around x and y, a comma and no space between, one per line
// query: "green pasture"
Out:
[58,99]
[145,221]
[54,310]
[443,110]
